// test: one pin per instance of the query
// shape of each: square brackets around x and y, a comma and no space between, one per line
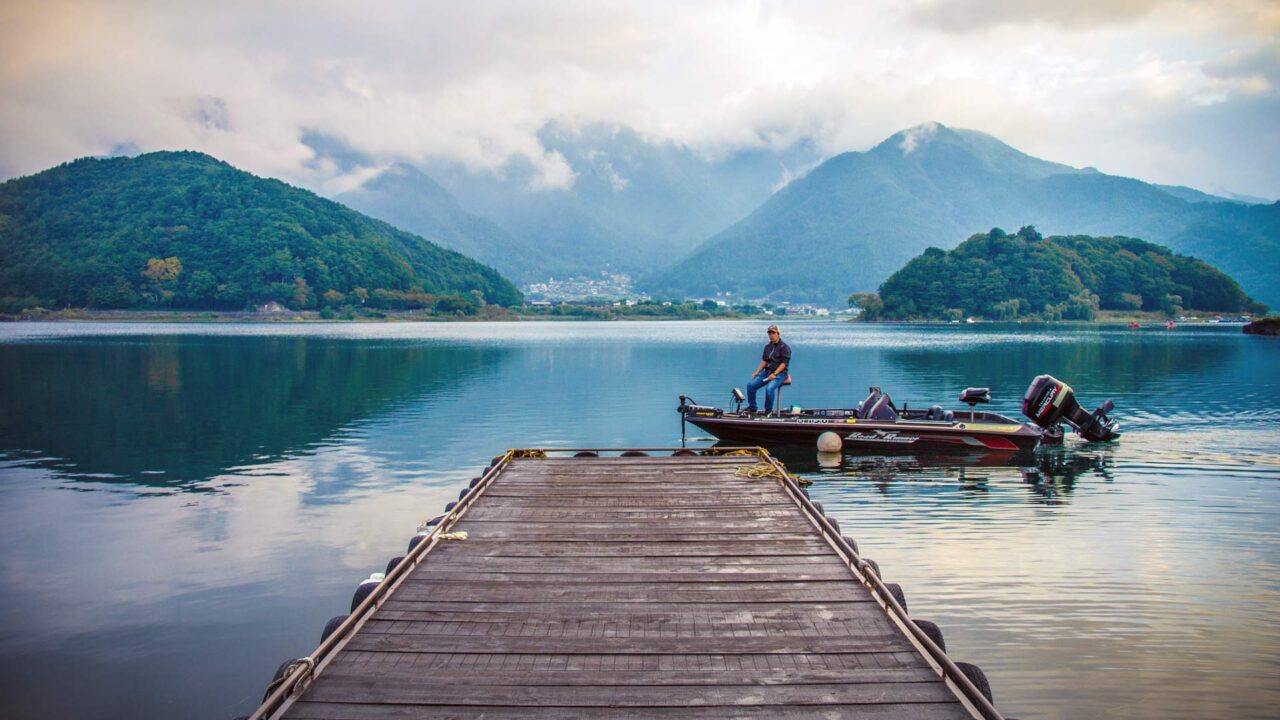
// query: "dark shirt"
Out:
[776,353]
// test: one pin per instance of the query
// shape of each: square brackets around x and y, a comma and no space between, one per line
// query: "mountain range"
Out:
[773,224]
[780,225]
[634,204]
[859,216]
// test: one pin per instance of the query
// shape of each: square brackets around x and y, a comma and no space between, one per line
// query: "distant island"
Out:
[185,231]
[998,276]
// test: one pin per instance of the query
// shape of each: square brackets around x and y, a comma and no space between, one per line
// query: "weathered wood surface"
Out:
[629,588]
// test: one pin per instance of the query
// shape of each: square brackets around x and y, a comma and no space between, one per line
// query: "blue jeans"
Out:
[770,389]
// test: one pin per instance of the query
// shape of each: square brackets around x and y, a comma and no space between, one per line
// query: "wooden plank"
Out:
[685,627]
[638,668]
[751,513]
[543,608]
[641,503]
[673,565]
[406,642]
[426,691]
[656,527]
[796,671]
[354,711]
[649,548]
[567,534]
[771,573]
[660,526]
[624,490]
[670,592]
[633,612]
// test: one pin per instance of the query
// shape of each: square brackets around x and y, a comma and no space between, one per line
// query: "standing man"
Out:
[771,373]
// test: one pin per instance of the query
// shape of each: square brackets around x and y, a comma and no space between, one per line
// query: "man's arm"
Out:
[758,369]
[781,369]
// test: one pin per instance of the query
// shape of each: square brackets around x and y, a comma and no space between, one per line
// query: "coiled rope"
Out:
[765,470]
[728,453]
[757,471]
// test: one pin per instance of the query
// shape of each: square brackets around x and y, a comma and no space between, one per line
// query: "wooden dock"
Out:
[657,586]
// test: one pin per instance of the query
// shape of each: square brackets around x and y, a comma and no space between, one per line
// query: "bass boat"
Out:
[878,423]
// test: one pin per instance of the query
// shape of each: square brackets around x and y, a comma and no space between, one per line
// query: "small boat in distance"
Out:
[878,423]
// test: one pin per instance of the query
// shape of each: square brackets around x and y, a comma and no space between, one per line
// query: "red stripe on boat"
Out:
[998,443]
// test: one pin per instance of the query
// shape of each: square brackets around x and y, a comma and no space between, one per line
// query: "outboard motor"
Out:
[1049,401]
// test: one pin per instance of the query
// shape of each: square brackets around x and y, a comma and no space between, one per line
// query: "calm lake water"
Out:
[184,506]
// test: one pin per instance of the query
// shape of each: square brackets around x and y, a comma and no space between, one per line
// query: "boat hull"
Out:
[871,434]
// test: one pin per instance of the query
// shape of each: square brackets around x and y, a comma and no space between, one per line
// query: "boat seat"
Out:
[778,407]
[865,407]
[936,412]
[882,409]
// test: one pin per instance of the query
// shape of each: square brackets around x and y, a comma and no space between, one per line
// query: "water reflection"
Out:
[172,413]
[1050,474]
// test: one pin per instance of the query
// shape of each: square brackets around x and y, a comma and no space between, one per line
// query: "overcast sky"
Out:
[1170,91]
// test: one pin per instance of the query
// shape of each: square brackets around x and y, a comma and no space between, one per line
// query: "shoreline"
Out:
[313,316]
[410,316]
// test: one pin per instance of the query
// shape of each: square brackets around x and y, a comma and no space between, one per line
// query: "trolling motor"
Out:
[689,406]
[1049,401]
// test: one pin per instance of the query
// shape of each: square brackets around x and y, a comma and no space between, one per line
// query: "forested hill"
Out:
[1005,277]
[185,230]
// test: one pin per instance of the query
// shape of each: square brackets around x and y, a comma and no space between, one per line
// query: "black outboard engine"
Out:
[1049,401]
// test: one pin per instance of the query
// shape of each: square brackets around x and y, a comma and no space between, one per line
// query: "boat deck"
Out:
[703,586]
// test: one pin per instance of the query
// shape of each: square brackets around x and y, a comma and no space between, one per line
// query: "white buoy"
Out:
[829,442]
[829,459]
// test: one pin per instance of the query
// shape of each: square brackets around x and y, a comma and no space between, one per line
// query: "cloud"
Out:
[914,136]
[320,93]
[1256,71]
[210,113]
[972,15]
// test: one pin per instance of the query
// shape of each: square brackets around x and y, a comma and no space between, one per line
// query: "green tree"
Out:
[201,289]
[870,304]
[454,305]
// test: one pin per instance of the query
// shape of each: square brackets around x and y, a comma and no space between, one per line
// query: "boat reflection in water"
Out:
[1050,473]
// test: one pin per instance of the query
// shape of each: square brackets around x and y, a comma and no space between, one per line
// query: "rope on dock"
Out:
[735,451]
[300,683]
[541,454]
[764,470]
